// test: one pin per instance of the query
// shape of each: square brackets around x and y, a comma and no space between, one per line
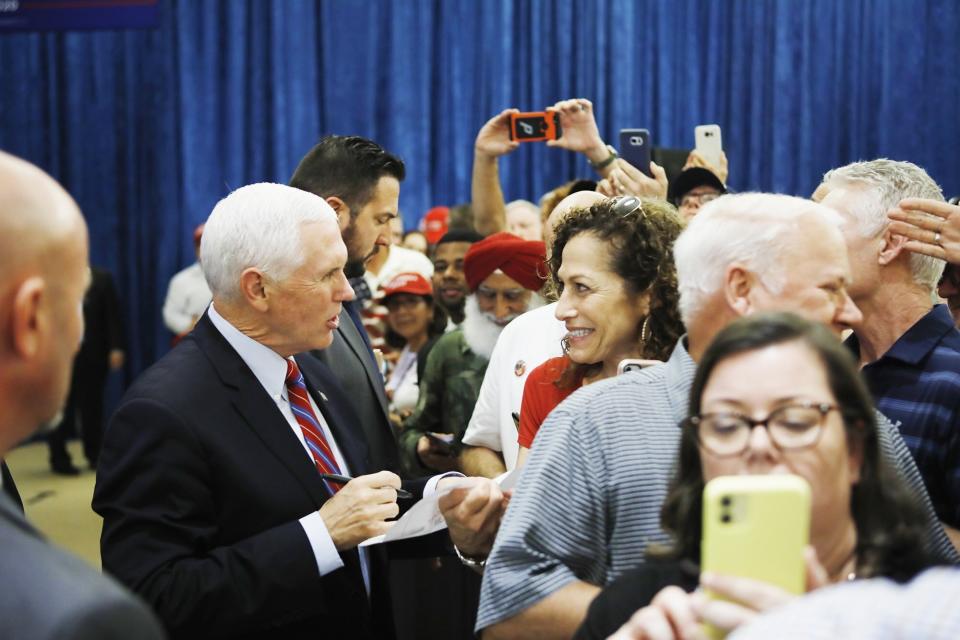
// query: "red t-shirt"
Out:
[541,395]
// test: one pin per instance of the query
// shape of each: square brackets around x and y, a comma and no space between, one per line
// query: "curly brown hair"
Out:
[641,243]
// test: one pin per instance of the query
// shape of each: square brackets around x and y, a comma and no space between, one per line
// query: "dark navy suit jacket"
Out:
[201,484]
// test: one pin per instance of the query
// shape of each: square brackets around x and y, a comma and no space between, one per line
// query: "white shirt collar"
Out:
[269,367]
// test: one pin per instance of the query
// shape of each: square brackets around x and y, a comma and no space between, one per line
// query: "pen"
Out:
[334,477]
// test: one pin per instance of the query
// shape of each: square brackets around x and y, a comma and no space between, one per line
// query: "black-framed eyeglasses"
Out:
[792,426]
[625,205]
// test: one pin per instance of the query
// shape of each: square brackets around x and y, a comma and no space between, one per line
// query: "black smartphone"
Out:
[635,148]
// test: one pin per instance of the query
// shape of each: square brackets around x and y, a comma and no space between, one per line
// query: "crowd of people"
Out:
[558,382]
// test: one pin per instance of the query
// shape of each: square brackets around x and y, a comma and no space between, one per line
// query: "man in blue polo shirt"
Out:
[909,348]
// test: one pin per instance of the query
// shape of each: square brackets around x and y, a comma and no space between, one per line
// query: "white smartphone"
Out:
[708,143]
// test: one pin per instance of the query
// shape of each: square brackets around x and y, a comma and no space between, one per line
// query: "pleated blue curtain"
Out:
[148,129]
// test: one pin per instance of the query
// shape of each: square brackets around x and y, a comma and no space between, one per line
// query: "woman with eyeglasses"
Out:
[773,394]
[612,265]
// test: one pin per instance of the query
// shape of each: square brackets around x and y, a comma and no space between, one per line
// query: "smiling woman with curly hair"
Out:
[612,264]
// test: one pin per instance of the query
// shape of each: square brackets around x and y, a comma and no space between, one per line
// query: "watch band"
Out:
[473,563]
[606,162]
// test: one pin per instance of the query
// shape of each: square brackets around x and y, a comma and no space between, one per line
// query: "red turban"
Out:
[522,260]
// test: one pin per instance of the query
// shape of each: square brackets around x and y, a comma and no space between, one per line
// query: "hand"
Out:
[747,598]
[436,457]
[397,418]
[697,160]
[670,615]
[625,179]
[115,359]
[360,509]
[493,139]
[920,220]
[473,514]
[579,129]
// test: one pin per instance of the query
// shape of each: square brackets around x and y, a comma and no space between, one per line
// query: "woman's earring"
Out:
[645,330]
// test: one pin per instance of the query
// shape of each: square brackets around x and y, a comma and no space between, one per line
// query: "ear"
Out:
[645,301]
[891,248]
[26,318]
[341,209]
[738,285]
[253,288]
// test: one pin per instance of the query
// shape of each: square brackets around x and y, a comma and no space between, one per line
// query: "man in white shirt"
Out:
[211,480]
[188,294]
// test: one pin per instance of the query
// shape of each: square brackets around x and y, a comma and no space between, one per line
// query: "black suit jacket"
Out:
[350,359]
[201,484]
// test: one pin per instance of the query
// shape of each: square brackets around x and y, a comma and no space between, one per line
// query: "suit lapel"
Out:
[258,411]
[348,332]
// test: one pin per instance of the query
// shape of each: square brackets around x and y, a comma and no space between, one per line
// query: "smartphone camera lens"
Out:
[726,501]
[725,518]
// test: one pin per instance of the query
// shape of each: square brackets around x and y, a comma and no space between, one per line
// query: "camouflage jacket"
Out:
[448,391]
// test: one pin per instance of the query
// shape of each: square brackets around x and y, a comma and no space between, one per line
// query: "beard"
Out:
[479,331]
[357,256]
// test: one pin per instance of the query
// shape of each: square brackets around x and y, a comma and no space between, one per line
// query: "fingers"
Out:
[752,593]
[377,480]
[943,210]
[721,614]
[604,187]
[660,175]
[676,604]
[922,220]
[648,623]
[669,616]
[932,250]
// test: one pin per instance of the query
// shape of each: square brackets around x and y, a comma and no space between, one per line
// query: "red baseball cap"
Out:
[435,223]
[407,283]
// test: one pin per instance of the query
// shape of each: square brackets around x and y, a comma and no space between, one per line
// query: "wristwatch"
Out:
[477,564]
[606,161]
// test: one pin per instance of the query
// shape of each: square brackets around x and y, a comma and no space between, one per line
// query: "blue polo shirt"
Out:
[917,385]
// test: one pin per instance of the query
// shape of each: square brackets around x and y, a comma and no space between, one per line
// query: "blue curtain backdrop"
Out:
[148,129]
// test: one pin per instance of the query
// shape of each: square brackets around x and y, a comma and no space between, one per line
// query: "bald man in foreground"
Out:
[43,275]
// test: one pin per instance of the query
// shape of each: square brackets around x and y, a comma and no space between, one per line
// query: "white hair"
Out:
[886,183]
[257,226]
[753,229]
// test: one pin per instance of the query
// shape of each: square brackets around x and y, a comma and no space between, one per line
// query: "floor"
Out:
[59,506]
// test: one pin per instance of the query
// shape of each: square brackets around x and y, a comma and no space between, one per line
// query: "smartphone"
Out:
[756,527]
[443,440]
[708,143]
[535,126]
[635,364]
[635,148]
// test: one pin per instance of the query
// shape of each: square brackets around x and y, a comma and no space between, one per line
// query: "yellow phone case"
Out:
[756,527]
